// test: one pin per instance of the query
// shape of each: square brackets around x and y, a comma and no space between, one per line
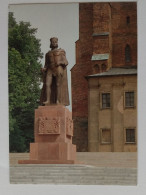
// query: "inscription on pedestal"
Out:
[49,125]
[69,126]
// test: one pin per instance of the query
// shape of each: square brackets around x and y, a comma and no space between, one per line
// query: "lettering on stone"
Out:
[69,126]
[49,125]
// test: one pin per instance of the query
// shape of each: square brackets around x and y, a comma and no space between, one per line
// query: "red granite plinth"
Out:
[53,137]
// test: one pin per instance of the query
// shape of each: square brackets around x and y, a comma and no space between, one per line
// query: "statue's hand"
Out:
[43,70]
[63,66]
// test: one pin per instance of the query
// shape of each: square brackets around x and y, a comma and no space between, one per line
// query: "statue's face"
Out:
[54,43]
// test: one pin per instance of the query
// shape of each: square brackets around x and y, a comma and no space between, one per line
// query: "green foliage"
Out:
[24,83]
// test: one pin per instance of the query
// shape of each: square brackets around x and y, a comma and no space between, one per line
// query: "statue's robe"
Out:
[55,60]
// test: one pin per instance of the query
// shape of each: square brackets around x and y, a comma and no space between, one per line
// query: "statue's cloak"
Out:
[52,58]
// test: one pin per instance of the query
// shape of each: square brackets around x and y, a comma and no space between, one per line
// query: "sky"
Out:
[53,20]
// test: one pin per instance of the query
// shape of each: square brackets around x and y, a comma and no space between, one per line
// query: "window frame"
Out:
[128,53]
[134,105]
[103,67]
[132,128]
[101,131]
[128,20]
[96,67]
[101,100]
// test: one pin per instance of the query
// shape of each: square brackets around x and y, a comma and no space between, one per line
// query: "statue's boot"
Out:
[46,102]
[58,102]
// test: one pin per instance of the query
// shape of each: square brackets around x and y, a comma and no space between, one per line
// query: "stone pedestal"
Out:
[53,133]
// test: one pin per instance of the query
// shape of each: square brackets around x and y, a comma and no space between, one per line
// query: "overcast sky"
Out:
[53,20]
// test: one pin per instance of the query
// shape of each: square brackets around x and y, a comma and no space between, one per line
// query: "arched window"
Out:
[128,19]
[127,53]
[103,67]
[96,67]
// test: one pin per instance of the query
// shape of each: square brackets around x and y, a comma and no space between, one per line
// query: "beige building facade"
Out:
[112,111]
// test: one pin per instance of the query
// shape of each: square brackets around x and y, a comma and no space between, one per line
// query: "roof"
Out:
[116,72]
[100,34]
[100,57]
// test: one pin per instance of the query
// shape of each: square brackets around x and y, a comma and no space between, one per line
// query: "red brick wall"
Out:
[101,17]
[82,67]
[123,33]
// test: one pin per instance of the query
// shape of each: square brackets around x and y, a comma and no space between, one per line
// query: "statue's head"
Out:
[54,42]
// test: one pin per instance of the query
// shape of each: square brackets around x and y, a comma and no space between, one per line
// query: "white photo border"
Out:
[10,189]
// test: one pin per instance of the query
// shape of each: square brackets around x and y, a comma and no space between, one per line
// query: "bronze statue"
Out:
[55,85]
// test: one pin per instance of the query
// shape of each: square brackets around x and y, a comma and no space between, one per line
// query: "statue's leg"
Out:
[48,88]
[58,84]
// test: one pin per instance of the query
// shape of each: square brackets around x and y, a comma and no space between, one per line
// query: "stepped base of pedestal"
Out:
[46,162]
[51,153]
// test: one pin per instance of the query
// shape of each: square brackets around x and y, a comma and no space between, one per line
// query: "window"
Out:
[105,100]
[128,19]
[127,53]
[96,67]
[103,67]
[105,136]
[129,99]
[130,135]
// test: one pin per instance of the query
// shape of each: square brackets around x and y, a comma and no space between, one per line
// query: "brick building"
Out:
[107,42]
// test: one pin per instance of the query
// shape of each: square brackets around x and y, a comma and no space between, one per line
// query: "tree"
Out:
[24,82]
